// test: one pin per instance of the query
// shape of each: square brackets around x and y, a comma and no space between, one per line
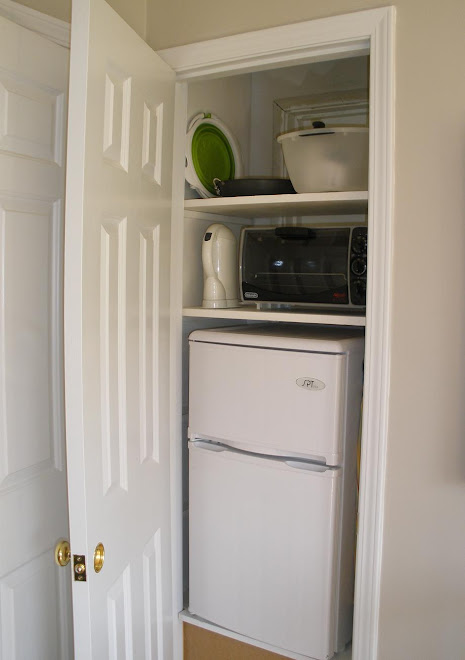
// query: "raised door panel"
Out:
[117,117]
[23,593]
[120,620]
[149,276]
[153,597]
[152,141]
[113,250]
[33,119]
[30,414]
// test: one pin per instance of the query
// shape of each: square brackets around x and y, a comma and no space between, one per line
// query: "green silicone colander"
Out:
[212,155]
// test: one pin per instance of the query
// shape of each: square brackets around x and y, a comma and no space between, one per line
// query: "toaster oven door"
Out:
[296,265]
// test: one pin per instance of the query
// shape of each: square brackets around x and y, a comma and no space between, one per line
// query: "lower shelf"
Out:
[247,313]
[187,617]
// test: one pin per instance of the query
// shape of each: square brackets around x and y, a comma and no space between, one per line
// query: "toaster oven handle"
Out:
[295,233]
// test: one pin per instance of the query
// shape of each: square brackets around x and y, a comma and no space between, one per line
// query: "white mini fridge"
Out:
[273,424]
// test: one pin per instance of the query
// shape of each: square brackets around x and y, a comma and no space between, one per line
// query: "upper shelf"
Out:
[265,206]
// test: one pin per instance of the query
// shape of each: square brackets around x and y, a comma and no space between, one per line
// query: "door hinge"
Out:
[79,568]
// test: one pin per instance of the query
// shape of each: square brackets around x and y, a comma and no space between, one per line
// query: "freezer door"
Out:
[264,549]
[267,400]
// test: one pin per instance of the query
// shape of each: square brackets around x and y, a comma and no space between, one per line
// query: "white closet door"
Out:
[35,602]
[117,336]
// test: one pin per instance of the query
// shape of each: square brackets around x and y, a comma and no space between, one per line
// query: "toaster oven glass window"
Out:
[296,264]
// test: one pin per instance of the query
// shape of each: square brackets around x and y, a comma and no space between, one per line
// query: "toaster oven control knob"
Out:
[358,292]
[358,266]
[359,243]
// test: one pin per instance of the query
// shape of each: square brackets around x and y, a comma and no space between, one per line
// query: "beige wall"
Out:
[423,578]
[133,11]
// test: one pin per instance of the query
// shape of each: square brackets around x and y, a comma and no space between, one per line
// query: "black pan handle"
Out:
[218,184]
[295,233]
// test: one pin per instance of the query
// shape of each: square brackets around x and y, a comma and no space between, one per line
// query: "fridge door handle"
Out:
[310,467]
[209,446]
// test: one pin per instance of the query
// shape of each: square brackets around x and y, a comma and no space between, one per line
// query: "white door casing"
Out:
[117,255]
[371,31]
[35,606]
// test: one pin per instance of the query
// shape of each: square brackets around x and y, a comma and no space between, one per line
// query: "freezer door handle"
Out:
[209,446]
[311,467]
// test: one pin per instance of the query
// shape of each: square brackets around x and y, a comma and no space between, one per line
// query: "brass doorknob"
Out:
[99,557]
[62,552]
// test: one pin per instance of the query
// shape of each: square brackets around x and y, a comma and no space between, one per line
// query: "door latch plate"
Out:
[79,568]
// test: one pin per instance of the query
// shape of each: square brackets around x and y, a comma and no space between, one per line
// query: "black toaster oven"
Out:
[322,266]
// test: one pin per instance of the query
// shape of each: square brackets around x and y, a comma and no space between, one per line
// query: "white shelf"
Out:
[264,206]
[247,313]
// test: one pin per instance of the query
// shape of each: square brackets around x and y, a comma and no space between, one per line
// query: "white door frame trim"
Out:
[49,27]
[339,36]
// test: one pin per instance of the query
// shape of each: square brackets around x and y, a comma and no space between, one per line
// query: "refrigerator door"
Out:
[264,548]
[269,400]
